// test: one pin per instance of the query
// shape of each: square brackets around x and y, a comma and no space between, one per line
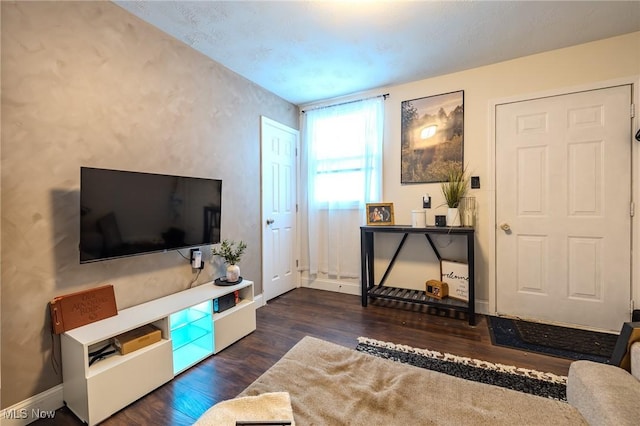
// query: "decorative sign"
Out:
[84,307]
[456,275]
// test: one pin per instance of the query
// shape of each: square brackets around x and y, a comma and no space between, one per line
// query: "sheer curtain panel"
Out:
[341,172]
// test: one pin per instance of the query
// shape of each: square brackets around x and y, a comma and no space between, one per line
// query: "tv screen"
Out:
[126,213]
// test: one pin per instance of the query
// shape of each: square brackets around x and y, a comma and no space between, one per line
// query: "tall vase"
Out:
[468,211]
[233,273]
[453,216]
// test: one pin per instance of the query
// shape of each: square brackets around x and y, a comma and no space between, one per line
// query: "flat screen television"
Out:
[124,213]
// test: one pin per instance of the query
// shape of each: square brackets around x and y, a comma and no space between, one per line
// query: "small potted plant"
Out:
[453,189]
[231,253]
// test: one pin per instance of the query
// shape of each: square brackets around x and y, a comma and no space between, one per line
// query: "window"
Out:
[344,149]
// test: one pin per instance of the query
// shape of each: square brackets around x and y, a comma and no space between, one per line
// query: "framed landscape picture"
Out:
[432,137]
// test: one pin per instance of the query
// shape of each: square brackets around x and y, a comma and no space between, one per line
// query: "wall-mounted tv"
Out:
[125,213]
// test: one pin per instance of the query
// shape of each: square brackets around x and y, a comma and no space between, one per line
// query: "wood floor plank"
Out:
[334,317]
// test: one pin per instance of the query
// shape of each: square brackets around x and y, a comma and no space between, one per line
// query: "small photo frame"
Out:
[380,214]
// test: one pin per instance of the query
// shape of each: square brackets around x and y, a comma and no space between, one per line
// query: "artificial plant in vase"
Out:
[453,189]
[231,252]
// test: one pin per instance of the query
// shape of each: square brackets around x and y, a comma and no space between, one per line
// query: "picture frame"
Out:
[629,334]
[380,214]
[432,137]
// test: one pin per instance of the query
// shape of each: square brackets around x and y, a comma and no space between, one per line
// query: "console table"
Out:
[372,290]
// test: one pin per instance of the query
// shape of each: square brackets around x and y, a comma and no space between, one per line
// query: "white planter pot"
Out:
[453,217]
[233,273]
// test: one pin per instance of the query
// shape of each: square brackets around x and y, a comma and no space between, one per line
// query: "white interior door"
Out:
[279,147]
[563,208]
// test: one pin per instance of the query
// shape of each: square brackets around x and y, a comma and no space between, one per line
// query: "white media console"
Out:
[191,331]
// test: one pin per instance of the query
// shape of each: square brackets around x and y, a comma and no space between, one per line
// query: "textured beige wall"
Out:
[88,84]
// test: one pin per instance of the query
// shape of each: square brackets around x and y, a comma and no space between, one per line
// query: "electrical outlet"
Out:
[196,259]
[426,201]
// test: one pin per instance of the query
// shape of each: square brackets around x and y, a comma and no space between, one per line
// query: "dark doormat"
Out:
[552,340]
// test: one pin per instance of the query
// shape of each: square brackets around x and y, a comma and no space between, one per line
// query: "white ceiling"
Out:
[306,51]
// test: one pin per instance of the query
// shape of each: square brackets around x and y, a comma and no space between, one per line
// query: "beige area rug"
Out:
[332,385]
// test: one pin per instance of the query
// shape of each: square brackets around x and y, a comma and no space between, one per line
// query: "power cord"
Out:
[195,279]
[101,353]
[183,256]
[55,364]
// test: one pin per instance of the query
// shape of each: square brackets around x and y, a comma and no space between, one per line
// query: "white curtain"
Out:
[341,172]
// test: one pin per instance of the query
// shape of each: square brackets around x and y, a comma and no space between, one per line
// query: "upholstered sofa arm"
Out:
[635,360]
[604,394]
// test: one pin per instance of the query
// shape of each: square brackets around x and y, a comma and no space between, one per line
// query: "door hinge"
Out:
[632,209]
[296,207]
[296,263]
[633,110]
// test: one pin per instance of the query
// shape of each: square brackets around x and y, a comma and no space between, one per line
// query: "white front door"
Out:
[563,208]
[279,147]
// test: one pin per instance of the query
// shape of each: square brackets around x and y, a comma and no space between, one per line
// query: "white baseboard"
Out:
[482,307]
[259,300]
[40,406]
[331,285]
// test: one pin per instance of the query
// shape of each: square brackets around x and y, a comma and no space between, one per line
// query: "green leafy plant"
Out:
[455,187]
[230,251]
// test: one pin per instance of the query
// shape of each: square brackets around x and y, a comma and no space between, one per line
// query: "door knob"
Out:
[270,221]
[505,227]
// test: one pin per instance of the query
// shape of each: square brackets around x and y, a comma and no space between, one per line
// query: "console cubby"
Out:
[190,332]
[191,335]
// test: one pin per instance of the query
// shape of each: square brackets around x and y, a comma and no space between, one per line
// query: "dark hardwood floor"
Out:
[334,317]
